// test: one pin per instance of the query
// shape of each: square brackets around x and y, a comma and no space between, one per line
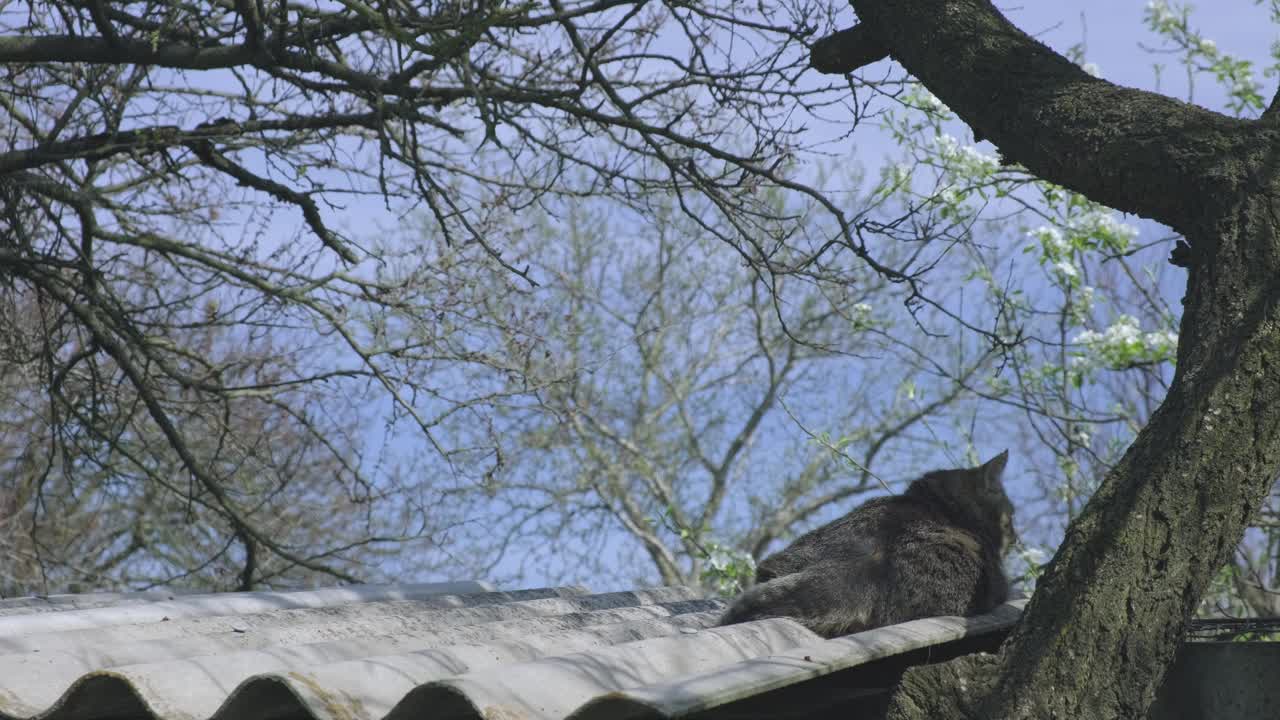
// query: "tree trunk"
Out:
[1107,615]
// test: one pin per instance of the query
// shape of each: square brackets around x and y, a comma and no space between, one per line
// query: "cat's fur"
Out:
[936,549]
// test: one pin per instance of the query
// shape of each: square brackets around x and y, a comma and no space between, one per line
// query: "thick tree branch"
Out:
[100,146]
[248,11]
[70,48]
[1272,113]
[847,50]
[1129,149]
[99,14]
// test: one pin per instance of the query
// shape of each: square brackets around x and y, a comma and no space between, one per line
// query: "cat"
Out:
[936,549]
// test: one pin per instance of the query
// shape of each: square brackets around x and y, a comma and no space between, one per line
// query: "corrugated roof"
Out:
[457,650]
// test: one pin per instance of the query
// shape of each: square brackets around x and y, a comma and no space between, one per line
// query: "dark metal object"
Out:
[1231,628]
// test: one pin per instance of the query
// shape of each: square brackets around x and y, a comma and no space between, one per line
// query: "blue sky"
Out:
[1114,35]
[1114,31]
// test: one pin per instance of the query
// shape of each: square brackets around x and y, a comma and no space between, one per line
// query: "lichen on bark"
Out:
[953,689]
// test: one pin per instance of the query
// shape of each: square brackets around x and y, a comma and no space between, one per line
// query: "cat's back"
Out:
[919,562]
[940,568]
[889,519]
[871,529]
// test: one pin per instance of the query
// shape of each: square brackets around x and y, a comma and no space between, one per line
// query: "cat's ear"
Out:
[994,468]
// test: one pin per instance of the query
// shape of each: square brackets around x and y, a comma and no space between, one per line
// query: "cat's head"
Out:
[976,497]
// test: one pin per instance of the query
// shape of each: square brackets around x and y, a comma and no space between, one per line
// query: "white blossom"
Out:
[930,102]
[1124,343]
[950,196]
[1099,222]
[1167,339]
[1084,298]
[1033,555]
[1066,270]
[965,158]
[1159,11]
[1051,238]
[1123,330]
[898,174]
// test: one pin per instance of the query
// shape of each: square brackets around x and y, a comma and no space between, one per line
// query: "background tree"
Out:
[174,168]
[125,121]
[670,390]
[95,496]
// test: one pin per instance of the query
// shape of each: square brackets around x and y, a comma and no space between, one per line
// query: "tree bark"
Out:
[1107,615]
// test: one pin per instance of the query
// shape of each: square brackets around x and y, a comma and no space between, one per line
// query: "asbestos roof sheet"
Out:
[454,650]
